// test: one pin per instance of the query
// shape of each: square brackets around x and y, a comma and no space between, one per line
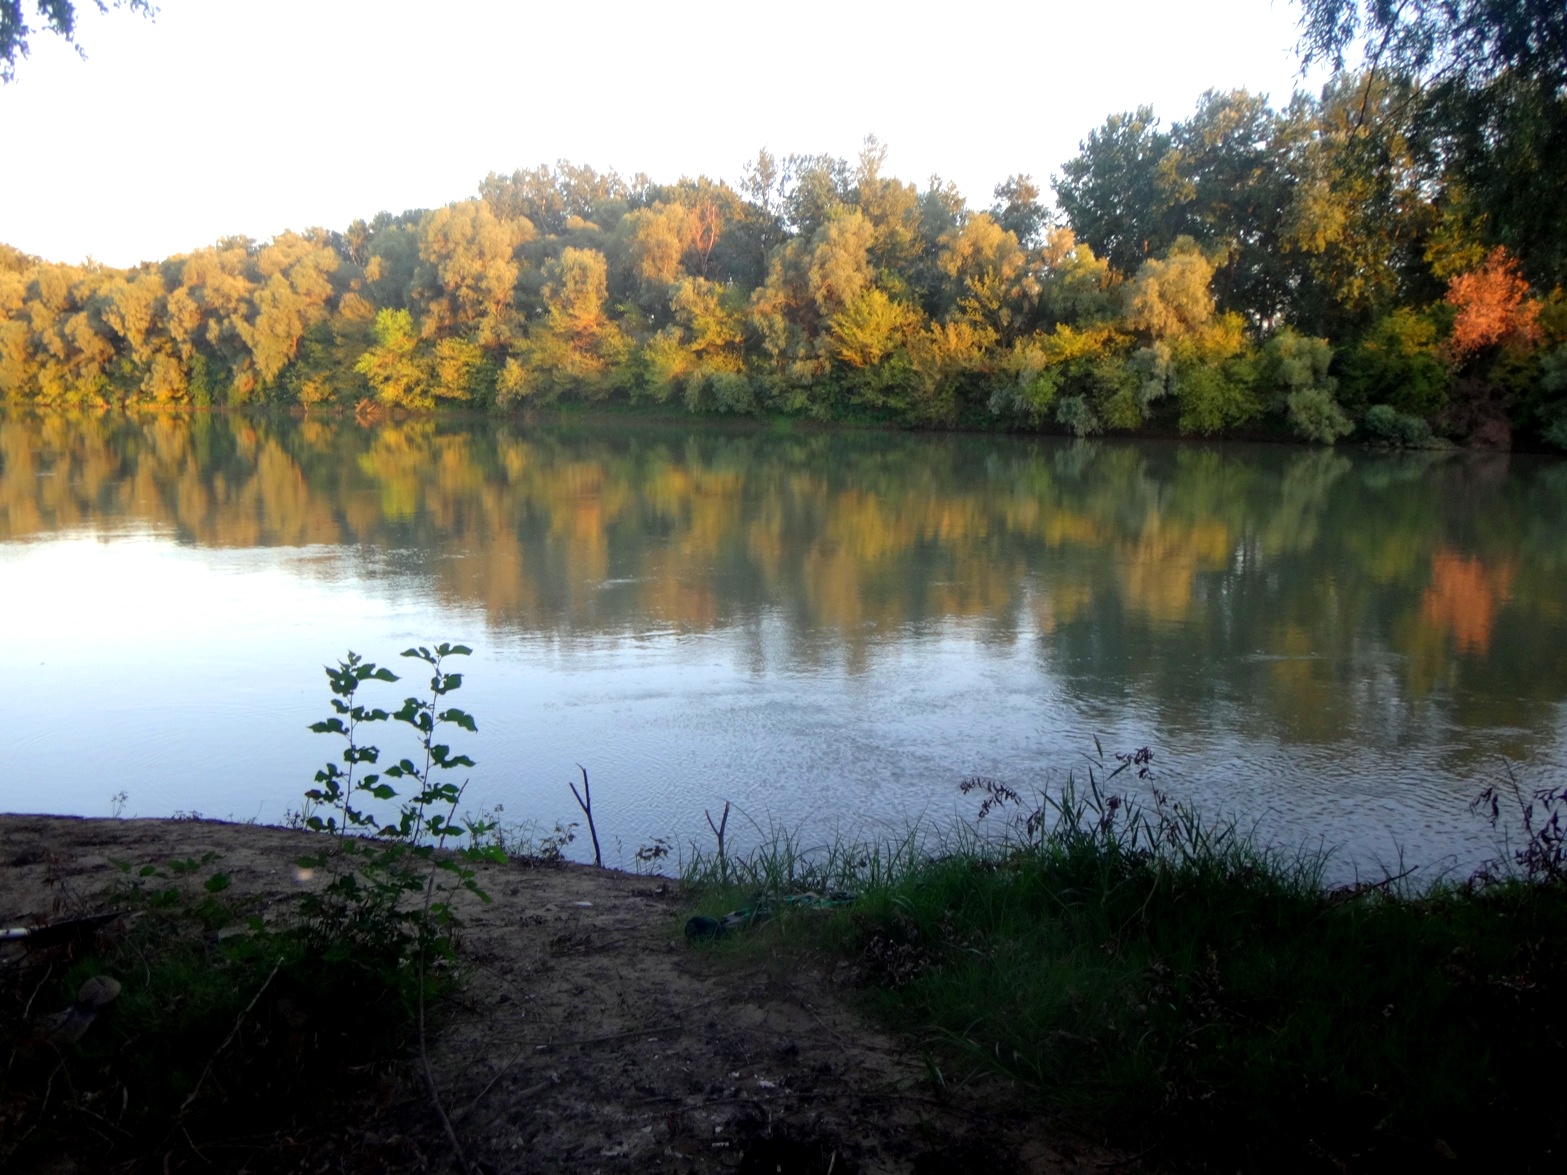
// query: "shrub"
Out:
[1399,363]
[1074,414]
[1314,415]
[1388,426]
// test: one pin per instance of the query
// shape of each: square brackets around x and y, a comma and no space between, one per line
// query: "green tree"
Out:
[1399,362]
[1081,379]
[1018,209]
[810,280]
[1469,41]
[1120,192]
[1360,217]
[57,16]
[701,351]
[1235,187]
[393,368]
[1294,369]
[1492,105]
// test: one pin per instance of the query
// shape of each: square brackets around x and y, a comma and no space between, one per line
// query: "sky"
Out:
[226,117]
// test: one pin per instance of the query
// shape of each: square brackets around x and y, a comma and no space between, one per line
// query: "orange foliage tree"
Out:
[1493,306]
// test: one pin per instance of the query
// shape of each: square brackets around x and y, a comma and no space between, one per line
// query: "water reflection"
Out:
[1225,598]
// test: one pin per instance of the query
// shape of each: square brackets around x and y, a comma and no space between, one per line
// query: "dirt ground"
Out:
[590,1037]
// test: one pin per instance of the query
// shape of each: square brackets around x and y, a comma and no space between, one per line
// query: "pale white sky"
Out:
[255,116]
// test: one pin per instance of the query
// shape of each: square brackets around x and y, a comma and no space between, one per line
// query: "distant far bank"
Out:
[1346,296]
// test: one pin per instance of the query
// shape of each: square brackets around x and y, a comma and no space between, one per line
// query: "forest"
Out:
[1382,260]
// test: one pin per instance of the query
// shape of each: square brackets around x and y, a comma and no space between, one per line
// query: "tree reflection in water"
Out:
[1295,596]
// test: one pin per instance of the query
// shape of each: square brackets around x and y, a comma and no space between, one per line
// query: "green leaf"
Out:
[460,718]
[472,887]
[330,726]
[217,883]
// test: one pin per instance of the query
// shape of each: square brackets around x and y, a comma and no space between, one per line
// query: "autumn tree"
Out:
[468,270]
[1075,286]
[1493,307]
[988,278]
[1191,349]
[576,347]
[892,208]
[291,294]
[654,242]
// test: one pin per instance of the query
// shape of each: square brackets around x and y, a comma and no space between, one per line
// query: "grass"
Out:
[1165,983]
[232,1043]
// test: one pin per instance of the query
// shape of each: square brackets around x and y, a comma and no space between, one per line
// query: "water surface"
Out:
[828,629]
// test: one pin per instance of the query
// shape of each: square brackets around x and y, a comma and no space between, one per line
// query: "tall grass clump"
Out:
[783,863]
[1164,981]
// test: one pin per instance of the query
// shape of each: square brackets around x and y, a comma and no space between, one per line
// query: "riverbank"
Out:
[587,1035]
[995,1007]
[1206,1001]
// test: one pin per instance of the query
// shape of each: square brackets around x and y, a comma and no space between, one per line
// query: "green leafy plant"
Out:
[377,867]
[229,1028]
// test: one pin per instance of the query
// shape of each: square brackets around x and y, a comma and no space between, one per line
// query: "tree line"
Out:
[1368,259]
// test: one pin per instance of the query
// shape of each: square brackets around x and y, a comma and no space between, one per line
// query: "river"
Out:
[828,629]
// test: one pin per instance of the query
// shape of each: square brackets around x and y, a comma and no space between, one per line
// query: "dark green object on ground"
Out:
[701,928]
